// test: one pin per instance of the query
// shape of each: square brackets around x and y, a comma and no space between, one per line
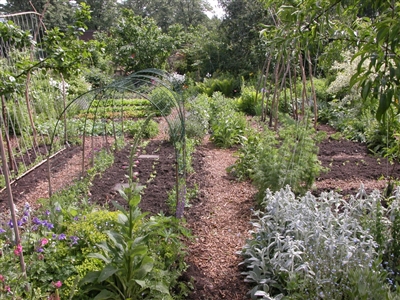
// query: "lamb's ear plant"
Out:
[318,248]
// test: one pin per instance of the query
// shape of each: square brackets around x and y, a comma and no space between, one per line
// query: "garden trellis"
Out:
[106,110]
[16,118]
[31,127]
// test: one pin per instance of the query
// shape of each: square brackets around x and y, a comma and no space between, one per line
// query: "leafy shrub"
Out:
[287,159]
[198,117]
[313,248]
[227,125]
[219,102]
[228,128]
[226,85]
[249,101]
[97,77]
[249,150]
[321,89]
[149,131]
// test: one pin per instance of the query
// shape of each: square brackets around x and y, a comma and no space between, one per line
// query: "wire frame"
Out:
[164,93]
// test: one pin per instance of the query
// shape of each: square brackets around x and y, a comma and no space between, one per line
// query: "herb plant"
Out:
[287,159]
[316,248]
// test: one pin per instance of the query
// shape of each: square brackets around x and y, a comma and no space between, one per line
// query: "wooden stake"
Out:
[17,241]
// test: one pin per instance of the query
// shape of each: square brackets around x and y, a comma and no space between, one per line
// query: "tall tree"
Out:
[169,12]
[241,26]
[137,43]
[104,13]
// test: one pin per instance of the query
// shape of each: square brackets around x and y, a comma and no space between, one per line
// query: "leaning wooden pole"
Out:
[64,96]
[13,165]
[29,108]
[17,241]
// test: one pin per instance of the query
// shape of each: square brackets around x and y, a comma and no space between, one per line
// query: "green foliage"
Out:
[197,117]
[174,12]
[248,153]
[240,30]
[49,255]
[380,79]
[228,128]
[17,119]
[249,101]
[289,158]
[163,100]
[191,193]
[148,130]
[15,49]
[136,43]
[134,267]
[320,87]
[227,85]
[201,52]
[309,247]
[227,125]
[65,52]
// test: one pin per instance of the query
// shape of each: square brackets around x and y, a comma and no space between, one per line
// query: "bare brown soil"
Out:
[219,216]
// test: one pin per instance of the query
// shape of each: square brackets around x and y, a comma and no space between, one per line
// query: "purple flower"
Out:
[2,230]
[20,223]
[76,218]
[36,221]
[35,227]
[62,236]
[40,250]
[74,240]
[48,224]
[47,213]
[10,224]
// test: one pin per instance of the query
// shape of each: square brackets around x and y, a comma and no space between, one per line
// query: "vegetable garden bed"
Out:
[216,214]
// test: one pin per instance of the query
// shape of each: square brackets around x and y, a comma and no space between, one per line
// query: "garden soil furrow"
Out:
[220,225]
[65,168]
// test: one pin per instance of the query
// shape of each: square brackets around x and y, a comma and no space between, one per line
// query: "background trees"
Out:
[137,43]
[166,13]
[240,30]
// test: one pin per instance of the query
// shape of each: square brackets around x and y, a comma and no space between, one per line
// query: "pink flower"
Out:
[2,278]
[7,289]
[57,284]
[43,242]
[18,250]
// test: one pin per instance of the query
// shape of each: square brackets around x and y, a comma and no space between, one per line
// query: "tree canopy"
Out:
[166,13]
